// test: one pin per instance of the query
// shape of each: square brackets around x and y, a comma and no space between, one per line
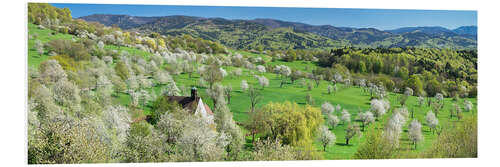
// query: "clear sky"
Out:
[384,19]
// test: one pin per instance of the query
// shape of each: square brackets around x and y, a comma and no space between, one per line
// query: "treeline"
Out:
[59,20]
[427,71]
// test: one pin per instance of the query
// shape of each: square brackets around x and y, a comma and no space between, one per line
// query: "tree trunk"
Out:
[253,136]
[324,147]
[346,141]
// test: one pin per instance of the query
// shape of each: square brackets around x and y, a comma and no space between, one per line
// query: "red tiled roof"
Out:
[209,111]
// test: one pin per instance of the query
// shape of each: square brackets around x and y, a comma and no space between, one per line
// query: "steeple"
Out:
[194,92]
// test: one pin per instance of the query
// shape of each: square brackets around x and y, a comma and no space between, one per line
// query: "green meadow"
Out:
[351,98]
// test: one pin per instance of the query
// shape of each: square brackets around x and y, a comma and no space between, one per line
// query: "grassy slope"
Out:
[349,98]
[44,35]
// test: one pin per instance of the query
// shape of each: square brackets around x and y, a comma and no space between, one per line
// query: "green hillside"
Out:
[106,87]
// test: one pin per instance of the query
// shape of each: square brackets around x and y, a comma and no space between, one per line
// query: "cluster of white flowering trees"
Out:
[431,120]
[394,126]
[77,107]
[63,110]
[379,107]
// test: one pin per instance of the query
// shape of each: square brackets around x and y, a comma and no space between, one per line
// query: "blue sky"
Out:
[384,19]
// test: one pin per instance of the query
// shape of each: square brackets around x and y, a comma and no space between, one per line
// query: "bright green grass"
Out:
[306,66]
[44,35]
[351,98]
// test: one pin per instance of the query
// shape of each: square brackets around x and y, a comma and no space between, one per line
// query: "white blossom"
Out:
[326,137]
[327,108]
[415,132]
[379,107]
[263,81]
[468,105]
[261,68]
[333,120]
[244,85]
[346,116]
[51,71]
[431,119]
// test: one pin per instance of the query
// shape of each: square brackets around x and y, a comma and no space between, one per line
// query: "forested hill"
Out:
[270,34]
[122,21]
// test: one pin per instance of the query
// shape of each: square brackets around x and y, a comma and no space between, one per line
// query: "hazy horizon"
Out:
[382,19]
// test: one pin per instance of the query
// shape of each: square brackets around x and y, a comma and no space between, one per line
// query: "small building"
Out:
[194,104]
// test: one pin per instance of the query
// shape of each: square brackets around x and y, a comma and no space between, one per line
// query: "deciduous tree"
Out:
[326,137]
[351,131]
[415,132]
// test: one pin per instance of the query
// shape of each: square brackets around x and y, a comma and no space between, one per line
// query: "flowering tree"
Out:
[163,77]
[329,89]
[104,89]
[263,81]
[272,149]
[100,45]
[67,94]
[172,89]
[351,131]
[333,120]
[284,72]
[346,116]
[261,68]
[230,134]
[244,85]
[394,127]
[327,108]
[366,118]
[468,105]
[415,132]
[39,47]
[212,74]
[421,100]
[51,71]
[326,137]
[431,120]
[237,72]
[379,107]
[199,143]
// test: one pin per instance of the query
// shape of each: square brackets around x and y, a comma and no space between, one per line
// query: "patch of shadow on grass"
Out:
[342,144]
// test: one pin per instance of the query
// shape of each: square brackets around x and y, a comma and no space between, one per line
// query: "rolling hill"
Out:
[271,34]
[122,21]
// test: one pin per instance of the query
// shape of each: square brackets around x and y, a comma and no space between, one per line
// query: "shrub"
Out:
[160,106]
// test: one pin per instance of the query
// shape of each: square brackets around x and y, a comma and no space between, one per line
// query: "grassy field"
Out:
[351,98]
[44,35]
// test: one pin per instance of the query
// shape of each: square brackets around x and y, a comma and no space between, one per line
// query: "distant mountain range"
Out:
[278,34]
